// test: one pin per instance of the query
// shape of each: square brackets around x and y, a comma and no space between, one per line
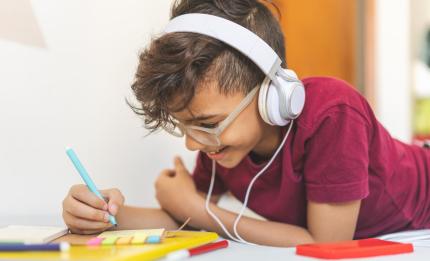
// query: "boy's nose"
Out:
[192,144]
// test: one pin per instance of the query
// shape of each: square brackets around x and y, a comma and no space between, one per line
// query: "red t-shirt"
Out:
[337,151]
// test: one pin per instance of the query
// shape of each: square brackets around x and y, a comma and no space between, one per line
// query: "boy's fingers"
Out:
[164,175]
[81,210]
[167,173]
[83,226]
[85,231]
[83,194]
[115,199]
[113,196]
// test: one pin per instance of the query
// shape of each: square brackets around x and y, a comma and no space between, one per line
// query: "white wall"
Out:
[393,67]
[70,91]
[65,68]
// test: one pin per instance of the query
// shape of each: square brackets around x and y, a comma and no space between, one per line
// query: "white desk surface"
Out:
[237,251]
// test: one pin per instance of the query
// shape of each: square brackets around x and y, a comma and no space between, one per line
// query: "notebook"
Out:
[133,232]
[31,234]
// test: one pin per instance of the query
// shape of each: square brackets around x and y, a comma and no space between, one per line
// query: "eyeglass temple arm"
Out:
[245,102]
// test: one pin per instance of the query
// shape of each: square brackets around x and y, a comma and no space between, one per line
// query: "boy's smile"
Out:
[246,133]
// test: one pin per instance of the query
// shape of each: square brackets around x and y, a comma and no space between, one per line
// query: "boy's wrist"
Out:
[196,209]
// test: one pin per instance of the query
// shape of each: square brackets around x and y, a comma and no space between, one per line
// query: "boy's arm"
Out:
[326,222]
[333,222]
[214,198]
[129,217]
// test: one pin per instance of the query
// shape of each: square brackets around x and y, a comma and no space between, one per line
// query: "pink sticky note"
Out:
[95,241]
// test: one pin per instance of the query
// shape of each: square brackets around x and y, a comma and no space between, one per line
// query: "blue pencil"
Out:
[12,247]
[84,174]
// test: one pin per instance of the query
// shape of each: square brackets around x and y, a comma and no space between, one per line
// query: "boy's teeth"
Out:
[214,152]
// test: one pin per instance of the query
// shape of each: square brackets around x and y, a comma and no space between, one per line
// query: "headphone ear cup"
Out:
[262,100]
[290,73]
[293,92]
[272,107]
[291,89]
[268,104]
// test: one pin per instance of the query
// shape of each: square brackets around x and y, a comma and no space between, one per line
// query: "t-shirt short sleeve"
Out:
[337,157]
[202,176]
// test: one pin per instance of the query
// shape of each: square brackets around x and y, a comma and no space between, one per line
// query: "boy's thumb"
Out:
[179,164]
[115,199]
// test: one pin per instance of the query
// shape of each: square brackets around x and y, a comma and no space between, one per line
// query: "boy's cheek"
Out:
[232,159]
[239,147]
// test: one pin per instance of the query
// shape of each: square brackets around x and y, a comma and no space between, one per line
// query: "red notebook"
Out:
[354,248]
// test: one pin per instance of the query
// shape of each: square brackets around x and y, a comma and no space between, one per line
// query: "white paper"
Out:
[31,234]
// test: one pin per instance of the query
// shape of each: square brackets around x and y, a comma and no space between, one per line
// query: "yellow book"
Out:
[172,241]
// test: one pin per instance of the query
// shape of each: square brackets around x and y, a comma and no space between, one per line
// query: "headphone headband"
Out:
[232,34]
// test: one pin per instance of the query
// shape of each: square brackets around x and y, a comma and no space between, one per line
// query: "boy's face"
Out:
[248,132]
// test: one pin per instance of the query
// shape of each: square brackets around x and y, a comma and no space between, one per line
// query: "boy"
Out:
[339,174]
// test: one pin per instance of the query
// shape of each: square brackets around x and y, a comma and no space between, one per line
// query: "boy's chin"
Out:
[229,163]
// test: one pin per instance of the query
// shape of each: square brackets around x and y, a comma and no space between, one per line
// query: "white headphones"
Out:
[282,94]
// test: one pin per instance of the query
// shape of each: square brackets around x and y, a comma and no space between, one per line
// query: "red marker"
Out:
[197,250]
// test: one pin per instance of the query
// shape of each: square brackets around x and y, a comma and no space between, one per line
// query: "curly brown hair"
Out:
[174,65]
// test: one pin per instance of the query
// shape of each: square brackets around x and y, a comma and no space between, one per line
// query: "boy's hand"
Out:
[176,191]
[85,213]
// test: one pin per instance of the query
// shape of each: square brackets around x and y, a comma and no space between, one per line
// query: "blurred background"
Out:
[66,69]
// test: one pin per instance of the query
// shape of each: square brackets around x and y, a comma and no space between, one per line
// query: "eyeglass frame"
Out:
[216,131]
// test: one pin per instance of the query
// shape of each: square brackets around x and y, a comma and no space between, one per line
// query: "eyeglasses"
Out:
[210,136]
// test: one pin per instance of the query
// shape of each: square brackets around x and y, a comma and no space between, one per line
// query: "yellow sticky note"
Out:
[123,240]
[138,239]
